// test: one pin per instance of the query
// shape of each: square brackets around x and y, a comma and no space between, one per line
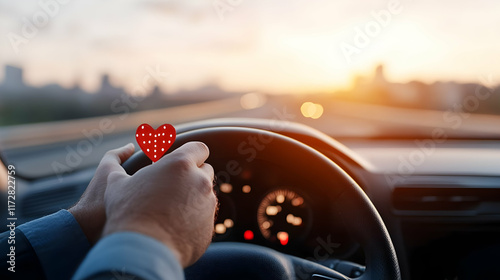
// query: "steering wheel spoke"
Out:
[233,260]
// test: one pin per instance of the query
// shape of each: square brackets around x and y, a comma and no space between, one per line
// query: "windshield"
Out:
[359,69]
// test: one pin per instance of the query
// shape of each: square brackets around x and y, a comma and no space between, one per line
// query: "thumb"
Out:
[112,160]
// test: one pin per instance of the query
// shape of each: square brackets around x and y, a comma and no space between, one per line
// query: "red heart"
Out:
[155,143]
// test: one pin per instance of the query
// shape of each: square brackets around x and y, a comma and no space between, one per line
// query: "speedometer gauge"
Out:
[283,216]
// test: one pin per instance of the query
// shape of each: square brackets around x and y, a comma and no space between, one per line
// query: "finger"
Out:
[113,159]
[196,152]
[125,152]
[208,170]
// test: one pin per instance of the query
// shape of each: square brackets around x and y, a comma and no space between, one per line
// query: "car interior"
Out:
[349,140]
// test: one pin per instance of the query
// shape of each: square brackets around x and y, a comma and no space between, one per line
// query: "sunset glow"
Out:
[268,46]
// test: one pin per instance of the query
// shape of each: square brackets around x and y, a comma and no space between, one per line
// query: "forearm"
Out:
[18,260]
[58,243]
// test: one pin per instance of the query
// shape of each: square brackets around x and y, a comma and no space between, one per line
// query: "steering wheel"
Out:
[225,260]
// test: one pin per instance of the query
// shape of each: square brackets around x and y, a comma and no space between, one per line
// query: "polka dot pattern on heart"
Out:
[147,137]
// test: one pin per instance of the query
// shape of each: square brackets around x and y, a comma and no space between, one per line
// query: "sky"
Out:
[272,46]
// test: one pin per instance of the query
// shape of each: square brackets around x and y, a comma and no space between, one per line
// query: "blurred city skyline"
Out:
[270,46]
[24,103]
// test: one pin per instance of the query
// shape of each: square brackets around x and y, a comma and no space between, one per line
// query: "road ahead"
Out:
[42,149]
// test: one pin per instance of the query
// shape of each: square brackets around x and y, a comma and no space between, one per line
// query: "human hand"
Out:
[171,200]
[89,211]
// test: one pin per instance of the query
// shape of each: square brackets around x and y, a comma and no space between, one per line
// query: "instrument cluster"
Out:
[270,208]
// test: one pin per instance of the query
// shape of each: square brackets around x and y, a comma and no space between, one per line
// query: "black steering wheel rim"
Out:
[349,201]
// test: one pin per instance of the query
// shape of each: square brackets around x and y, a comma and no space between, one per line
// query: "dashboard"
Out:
[268,206]
[441,205]
[443,213]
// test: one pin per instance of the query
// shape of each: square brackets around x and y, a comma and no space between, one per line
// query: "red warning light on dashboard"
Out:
[248,235]
[283,237]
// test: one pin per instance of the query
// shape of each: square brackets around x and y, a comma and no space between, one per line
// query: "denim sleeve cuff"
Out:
[58,242]
[130,253]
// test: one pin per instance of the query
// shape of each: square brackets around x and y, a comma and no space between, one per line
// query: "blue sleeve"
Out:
[17,258]
[128,253]
[58,242]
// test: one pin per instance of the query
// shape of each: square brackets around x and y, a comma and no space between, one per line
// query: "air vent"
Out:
[436,198]
[46,202]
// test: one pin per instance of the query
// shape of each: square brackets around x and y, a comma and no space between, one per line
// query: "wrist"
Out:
[90,222]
